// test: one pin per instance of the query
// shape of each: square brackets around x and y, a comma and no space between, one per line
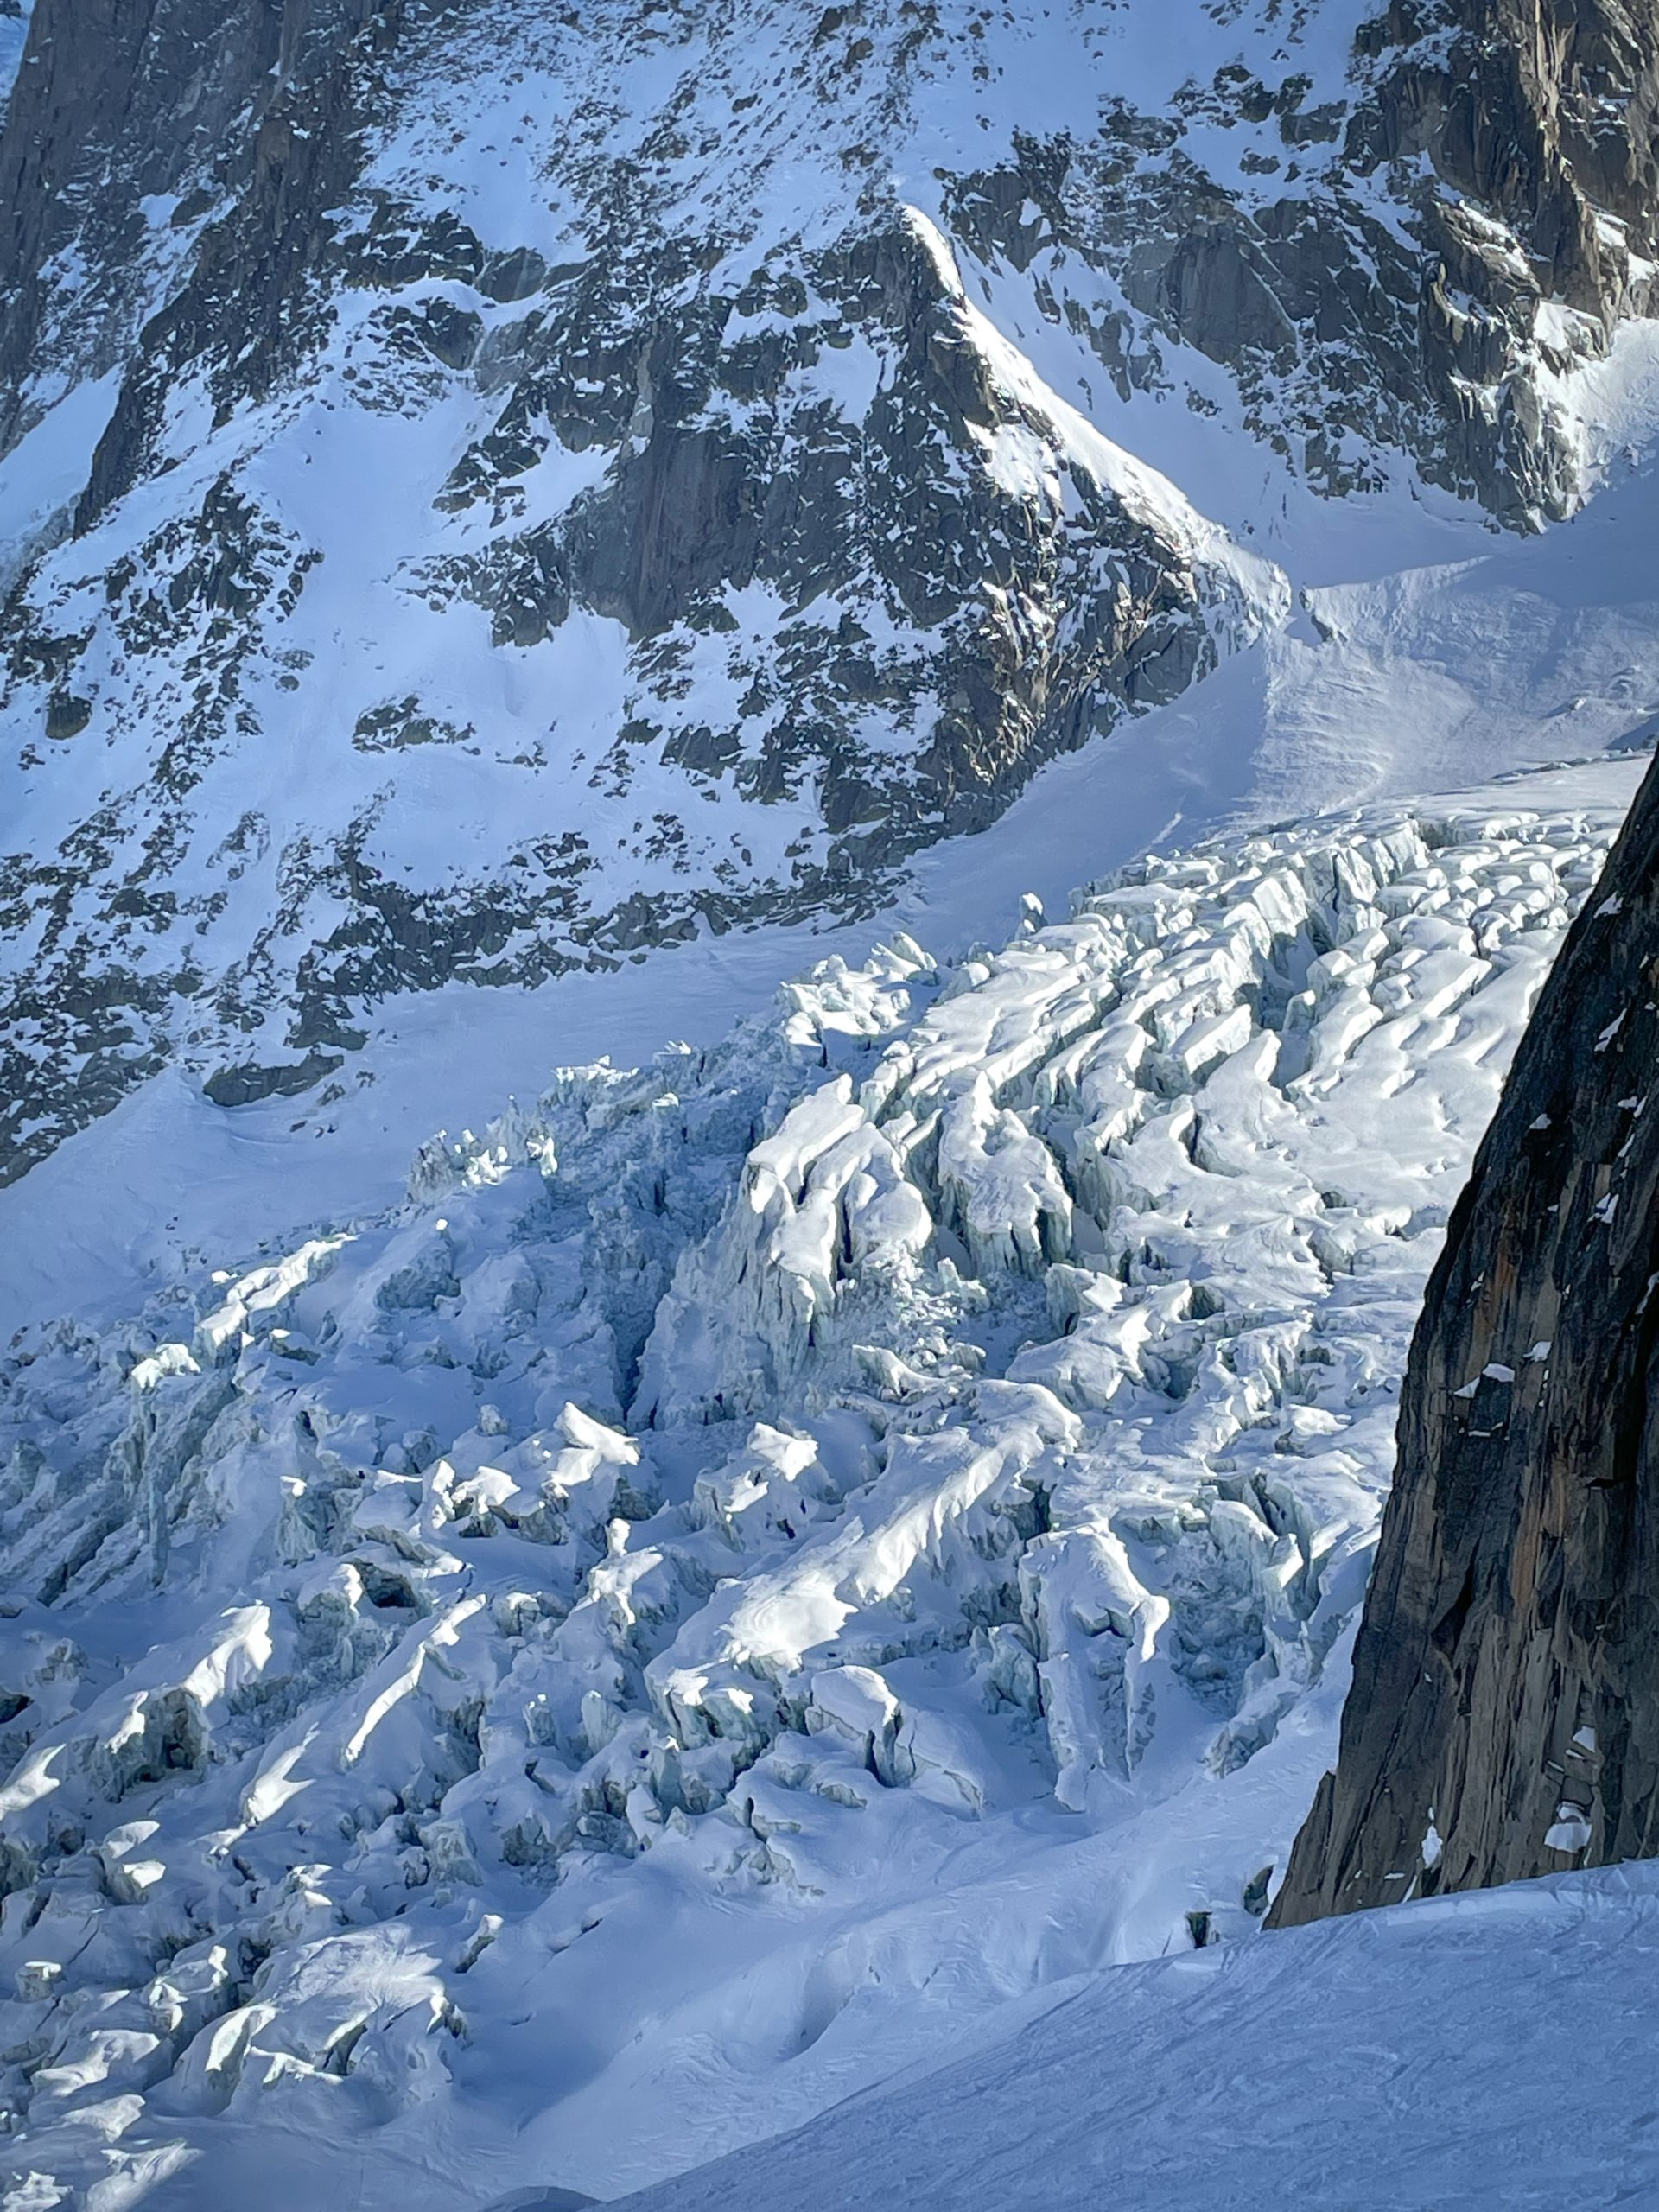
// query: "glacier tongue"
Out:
[762,1559]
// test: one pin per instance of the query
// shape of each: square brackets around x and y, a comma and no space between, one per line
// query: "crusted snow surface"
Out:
[1473,2051]
[761,1562]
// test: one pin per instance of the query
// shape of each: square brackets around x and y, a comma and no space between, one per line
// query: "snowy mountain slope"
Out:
[1391,681]
[560,1680]
[1476,2051]
[497,491]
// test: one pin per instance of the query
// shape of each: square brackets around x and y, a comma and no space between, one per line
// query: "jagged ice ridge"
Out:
[762,1559]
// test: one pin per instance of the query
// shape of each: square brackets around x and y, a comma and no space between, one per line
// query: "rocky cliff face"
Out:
[1503,1720]
[503,489]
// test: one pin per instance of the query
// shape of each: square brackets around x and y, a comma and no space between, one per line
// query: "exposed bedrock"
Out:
[711,513]
[1503,1720]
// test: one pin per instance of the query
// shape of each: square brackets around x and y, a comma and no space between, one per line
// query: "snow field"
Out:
[1476,2051]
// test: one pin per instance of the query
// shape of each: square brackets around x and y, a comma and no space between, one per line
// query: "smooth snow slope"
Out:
[760,1564]
[1484,2053]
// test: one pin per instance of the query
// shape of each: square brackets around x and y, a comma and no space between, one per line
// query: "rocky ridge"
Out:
[501,490]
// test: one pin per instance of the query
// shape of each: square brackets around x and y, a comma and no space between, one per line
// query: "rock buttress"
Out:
[1503,1720]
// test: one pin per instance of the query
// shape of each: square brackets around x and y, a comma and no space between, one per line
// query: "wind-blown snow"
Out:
[761,1562]
[1476,2051]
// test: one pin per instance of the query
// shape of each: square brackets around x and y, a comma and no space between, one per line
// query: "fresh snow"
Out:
[760,1567]
[1478,2051]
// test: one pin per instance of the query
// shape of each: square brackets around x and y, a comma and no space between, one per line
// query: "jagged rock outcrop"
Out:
[1503,1720]
[684,481]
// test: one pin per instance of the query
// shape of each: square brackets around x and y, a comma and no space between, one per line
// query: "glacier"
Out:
[754,1621]
[760,1566]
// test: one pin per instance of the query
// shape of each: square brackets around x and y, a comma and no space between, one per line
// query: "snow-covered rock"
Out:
[488,491]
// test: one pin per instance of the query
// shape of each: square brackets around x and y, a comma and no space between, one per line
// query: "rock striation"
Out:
[1503,1720]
